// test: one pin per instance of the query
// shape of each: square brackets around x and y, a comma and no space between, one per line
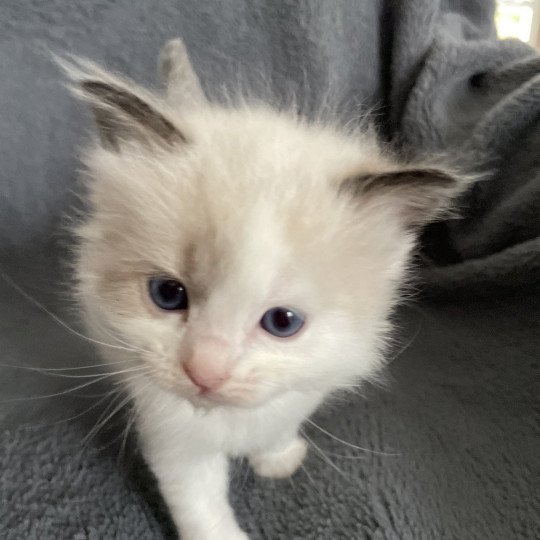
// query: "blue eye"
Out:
[168,293]
[282,322]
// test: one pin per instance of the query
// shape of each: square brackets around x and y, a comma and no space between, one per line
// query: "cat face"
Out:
[242,253]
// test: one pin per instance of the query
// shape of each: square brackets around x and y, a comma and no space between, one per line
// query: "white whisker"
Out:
[74,368]
[101,422]
[323,455]
[350,445]
[51,373]
[57,319]
[127,429]
[406,346]
[130,346]
[86,411]
[63,392]
[78,415]
[305,471]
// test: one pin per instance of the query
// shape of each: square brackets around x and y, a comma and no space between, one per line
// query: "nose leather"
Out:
[209,363]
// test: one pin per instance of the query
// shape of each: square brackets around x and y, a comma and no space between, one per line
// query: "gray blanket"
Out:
[448,447]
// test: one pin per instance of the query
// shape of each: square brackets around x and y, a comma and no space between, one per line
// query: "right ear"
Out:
[124,113]
[417,195]
[183,88]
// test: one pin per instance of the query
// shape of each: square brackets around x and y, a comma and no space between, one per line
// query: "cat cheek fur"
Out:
[250,208]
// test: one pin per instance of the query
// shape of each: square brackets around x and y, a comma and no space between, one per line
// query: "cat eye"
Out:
[168,293]
[282,322]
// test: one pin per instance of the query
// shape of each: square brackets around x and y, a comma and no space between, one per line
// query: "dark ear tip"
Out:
[418,194]
[430,177]
[94,85]
[97,88]
[417,178]
[127,107]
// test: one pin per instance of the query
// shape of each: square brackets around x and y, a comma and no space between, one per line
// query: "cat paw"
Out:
[280,463]
[232,533]
[225,531]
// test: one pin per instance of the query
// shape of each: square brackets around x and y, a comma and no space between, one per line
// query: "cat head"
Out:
[236,254]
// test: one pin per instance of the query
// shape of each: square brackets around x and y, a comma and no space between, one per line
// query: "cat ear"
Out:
[181,82]
[123,112]
[417,195]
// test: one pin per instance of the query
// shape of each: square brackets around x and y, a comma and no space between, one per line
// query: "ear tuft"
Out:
[419,195]
[181,82]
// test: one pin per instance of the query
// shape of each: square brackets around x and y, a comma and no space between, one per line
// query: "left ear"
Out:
[124,113]
[418,195]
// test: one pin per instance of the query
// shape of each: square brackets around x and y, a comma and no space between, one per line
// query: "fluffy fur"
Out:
[250,208]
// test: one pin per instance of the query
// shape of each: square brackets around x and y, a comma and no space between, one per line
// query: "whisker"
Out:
[98,394]
[78,415]
[323,455]
[102,420]
[131,347]
[127,429]
[343,456]
[74,368]
[129,424]
[57,319]
[406,346]
[350,445]
[305,471]
[98,423]
[51,373]
[63,392]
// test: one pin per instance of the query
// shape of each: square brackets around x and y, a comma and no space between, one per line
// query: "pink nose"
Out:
[209,364]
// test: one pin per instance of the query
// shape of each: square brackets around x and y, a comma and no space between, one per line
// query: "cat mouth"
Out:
[233,394]
[213,398]
[243,399]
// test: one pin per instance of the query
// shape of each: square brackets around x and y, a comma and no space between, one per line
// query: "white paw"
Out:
[280,463]
[223,531]
[231,533]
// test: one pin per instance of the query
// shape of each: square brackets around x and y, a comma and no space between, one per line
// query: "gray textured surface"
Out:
[461,404]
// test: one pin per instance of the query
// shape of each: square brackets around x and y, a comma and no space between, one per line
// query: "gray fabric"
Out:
[477,101]
[460,407]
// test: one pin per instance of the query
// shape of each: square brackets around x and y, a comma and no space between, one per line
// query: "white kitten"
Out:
[243,263]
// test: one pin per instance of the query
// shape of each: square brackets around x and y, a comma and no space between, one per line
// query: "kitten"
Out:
[244,262]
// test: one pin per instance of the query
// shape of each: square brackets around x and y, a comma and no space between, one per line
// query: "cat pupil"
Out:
[169,289]
[282,318]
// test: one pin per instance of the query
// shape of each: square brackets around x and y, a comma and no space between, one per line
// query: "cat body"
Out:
[242,263]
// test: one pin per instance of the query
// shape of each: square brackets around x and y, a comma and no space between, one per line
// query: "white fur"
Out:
[249,215]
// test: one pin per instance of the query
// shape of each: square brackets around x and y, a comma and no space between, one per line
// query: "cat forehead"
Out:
[239,244]
[264,138]
[241,154]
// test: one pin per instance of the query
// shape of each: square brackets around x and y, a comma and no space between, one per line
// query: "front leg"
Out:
[286,451]
[195,488]
[280,461]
